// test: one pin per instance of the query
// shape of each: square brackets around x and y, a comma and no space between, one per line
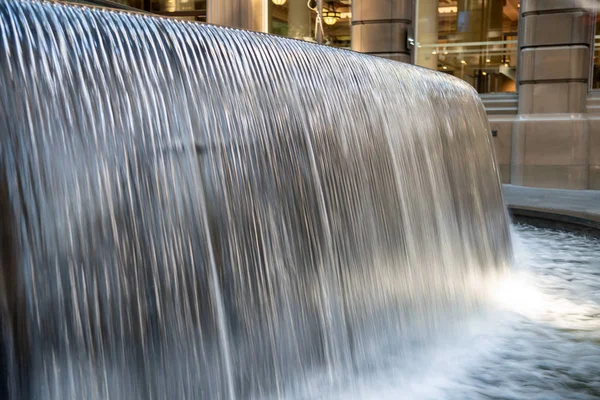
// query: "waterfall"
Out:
[192,211]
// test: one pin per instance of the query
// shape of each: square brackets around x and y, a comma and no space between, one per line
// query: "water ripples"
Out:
[539,339]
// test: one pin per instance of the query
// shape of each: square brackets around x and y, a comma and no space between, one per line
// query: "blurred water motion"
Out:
[200,212]
[538,339]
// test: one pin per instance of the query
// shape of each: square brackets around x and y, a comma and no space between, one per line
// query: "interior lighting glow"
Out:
[447,10]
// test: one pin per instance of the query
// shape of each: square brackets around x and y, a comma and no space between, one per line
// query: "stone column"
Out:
[299,19]
[380,27]
[245,14]
[551,135]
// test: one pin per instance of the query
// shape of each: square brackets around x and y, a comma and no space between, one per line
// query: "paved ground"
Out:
[580,203]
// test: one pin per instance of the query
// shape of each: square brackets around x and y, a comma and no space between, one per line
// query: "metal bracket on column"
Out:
[410,38]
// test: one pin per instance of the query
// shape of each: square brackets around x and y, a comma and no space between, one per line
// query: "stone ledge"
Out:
[555,208]
[585,223]
[582,203]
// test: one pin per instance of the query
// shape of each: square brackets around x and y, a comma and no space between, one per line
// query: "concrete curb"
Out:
[558,219]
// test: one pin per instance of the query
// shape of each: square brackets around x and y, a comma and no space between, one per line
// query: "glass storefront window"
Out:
[193,10]
[475,40]
[294,19]
[596,66]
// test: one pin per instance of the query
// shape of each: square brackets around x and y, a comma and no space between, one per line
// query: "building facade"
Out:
[534,63]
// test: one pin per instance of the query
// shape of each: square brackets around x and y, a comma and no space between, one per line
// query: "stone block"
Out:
[405,58]
[525,103]
[556,176]
[556,29]
[516,174]
[549,63]
[402,9]
[563,97]
[556,143]
[594,141]
[594,177]
[379,38]
[517,145]
[545,5]
[550,152]
[504,173]
[502,141]
[363,10]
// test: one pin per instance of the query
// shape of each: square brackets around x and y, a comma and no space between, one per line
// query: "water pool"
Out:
[539,338]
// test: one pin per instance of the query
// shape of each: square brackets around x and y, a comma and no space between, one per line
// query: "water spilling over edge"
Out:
[202,212]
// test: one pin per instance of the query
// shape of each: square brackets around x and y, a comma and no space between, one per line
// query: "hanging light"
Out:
[331,16]
[279,2]
[447,10]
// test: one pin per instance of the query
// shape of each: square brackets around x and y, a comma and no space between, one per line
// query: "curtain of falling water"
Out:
[201,212]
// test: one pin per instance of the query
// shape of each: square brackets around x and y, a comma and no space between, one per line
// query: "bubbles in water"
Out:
[540,338]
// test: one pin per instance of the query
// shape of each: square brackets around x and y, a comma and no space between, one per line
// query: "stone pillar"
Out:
[244,14]
[551,134]
[299,19]
[380,27]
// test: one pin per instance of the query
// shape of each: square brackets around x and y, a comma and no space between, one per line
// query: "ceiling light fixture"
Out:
[447,10]
[330,16]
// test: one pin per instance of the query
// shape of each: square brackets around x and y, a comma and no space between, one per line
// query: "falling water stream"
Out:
[191,211]
[538,337]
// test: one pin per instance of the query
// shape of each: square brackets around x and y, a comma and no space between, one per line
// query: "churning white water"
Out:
[539,338]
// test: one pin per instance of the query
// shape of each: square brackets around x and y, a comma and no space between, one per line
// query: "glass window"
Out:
[596,71]
[193,10]
[293,18]
[475,40]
